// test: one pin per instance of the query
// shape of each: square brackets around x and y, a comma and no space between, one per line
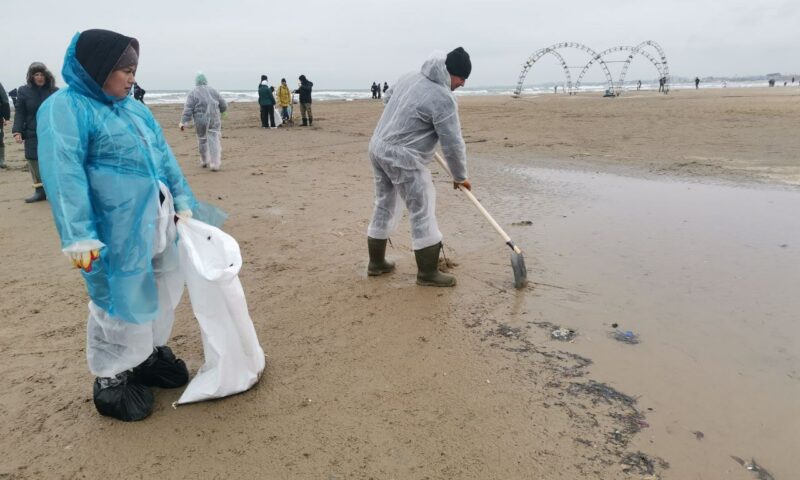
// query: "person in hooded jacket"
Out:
[305,100]
[266,100]
[40,85]
[285,101]
[419,111]
[114,187]
[205,106]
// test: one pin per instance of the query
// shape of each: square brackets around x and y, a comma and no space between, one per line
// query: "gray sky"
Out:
[350,44]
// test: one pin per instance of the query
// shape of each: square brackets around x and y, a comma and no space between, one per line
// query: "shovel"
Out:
[517,260]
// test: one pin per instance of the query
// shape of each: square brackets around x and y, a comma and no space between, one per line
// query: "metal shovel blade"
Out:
[520,272]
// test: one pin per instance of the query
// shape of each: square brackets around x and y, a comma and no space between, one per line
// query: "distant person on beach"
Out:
[138,92]
[304,89]
[284,100]
[5,116]
[205,107]
[420,110]
[114,186]
[378,89]
[40,85]
[374,89]
[696,83]
[266,100]
[385,87]
[639,86]
[662,84]
[13,95]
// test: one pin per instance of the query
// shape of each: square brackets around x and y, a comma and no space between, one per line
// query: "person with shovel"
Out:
[420,110]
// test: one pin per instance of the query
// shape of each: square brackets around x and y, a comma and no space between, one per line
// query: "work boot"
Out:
[428,273]
[38,196]
[305,122]
[162,369]
[377,257]
[122,397]
[310,121]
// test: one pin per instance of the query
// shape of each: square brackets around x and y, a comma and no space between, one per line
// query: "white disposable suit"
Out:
[420,110]
[205,106]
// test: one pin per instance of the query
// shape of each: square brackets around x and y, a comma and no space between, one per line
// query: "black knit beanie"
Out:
[98,51]
[458,63]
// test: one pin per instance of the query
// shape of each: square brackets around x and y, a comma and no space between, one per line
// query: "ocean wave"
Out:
[156,97]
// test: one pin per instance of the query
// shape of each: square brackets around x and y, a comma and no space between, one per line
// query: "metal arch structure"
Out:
[553,50]
[659,63]
[660,66]
[664,70]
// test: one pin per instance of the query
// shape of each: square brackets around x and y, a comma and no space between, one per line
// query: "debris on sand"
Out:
[625,337]
[563,334]
[642,464]
[523,223]
[699,435]
[600,391]
[761,472]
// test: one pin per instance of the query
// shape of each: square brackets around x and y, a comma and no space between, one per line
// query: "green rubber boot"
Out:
[377,257]
[428,273]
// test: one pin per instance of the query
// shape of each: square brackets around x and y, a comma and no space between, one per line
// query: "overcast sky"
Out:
[350,44]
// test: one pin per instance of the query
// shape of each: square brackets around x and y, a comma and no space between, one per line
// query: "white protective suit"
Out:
[205,106]
[419,110]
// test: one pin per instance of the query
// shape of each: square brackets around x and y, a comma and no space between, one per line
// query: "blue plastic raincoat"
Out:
[101,161]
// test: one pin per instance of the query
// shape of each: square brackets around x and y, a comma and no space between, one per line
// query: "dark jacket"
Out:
[265,96]
[305,91]
[5,106]
[29,98]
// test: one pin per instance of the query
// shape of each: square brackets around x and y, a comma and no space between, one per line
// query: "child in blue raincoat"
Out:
[114,187]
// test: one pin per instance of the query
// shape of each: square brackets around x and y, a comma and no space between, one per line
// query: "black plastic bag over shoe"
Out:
[121,397]
[162,369]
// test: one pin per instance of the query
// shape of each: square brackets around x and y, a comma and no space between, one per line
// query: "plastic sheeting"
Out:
[101,161]
[415,188]
[205,106]
[420,111]
[234,360]
[114,345]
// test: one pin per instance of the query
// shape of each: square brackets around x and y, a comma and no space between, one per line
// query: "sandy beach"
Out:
[670,217]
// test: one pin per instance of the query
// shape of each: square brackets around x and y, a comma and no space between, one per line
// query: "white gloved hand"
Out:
[84,259]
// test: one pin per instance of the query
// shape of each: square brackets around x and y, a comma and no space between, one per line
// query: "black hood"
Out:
[39,67]
[99,50]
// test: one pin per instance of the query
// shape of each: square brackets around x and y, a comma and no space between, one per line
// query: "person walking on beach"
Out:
[385,87]
[696,83]
[138,92]
[205,107]
[420,110]
[40,85]
[305,100]
[639,86]
[266,101]
[374,90]
[5,115]
[285,101]
[114,186]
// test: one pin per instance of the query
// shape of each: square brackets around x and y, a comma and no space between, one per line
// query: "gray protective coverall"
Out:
[419,110]
[205,106]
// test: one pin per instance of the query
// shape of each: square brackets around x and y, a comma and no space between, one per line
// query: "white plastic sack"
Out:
[234,360]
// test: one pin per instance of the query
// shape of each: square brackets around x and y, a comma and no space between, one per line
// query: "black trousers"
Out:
[267,115]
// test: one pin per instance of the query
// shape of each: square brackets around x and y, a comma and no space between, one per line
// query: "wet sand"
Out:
[674,217]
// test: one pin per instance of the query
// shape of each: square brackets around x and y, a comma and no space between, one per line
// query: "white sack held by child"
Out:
[234,360]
